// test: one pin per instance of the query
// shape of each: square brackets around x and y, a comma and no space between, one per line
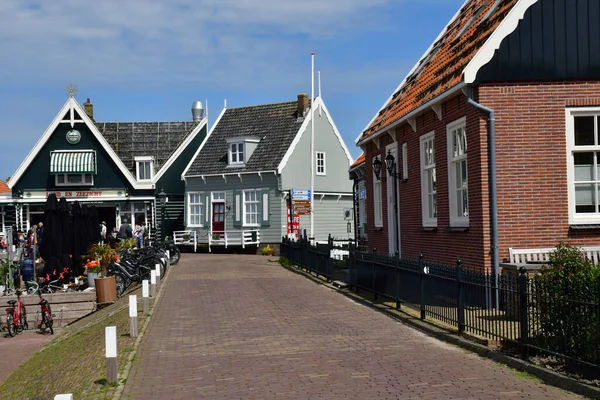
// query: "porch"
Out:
[242,238]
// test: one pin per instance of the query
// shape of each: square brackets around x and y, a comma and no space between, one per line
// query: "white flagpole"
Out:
[319,80]
[312,144]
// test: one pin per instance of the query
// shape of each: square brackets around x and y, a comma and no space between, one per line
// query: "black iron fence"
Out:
[524,313]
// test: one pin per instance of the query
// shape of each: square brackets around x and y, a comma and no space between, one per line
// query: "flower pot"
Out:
[90,278]
[106,289]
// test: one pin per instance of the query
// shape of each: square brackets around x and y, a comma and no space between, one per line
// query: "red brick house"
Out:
[495,135]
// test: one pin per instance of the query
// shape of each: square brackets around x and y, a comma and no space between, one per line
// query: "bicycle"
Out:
[16,316]
[46,312]
[54,286]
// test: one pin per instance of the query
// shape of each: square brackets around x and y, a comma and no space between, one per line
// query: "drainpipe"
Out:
[493,189]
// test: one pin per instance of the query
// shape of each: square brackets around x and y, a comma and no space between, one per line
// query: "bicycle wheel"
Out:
[47,321]
[174,254]
[121,283]
[10,325]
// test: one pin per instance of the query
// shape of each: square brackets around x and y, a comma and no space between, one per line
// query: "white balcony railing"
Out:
[185,238]
[234,238]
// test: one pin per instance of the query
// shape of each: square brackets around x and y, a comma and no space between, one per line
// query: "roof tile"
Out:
[4,187]
[442,67]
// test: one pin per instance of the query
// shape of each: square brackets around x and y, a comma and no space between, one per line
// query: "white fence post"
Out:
[110,336]
[153,282]
[133,325]
[145,295]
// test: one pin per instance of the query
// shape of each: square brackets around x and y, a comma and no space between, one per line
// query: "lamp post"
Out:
[377,167]
[162,197]
[390,165]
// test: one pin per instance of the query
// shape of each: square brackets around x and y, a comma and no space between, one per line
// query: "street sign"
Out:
[301,207]
[300,194]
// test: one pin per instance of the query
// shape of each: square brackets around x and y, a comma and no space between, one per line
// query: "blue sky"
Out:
[148,60]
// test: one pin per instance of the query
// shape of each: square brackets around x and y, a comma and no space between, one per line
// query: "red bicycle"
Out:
[16,316]
[47,322]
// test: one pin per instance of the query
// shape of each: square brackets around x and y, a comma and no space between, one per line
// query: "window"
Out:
[218,196]
[251,204]
[583,165]
[320,163]
[74,179]
[458,186]
[236,153]
[404,161]
[145,168]
[195,209]
[377,207]
[428,181]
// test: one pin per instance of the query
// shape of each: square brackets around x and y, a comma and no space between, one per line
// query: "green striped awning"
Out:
[73,162]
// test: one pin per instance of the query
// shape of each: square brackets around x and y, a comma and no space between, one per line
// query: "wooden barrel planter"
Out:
[106,289]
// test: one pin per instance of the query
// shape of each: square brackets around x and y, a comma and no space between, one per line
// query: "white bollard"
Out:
[110,335]
[67,396]
[133,330]
[168,254]
[157,267]
[145,295]
[153,282]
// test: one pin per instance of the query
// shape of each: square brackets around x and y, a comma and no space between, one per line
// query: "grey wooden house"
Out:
[239,183]
[119,167]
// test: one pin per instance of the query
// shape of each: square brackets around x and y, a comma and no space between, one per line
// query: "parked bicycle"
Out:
[16,316]
[46,311]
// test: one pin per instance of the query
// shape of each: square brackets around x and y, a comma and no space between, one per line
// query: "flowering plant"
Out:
[102,255]
[93,266]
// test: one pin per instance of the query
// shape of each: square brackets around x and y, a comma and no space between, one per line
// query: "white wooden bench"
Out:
[542,255]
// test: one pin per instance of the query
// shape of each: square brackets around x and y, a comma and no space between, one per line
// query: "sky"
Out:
[148,60]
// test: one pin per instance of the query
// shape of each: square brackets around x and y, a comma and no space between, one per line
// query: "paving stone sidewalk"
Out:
[241,327]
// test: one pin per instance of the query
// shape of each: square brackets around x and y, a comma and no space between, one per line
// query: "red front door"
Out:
[218,217]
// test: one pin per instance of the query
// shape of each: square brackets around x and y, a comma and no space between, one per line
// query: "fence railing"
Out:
[523,313]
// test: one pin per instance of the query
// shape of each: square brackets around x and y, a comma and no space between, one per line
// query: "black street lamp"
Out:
[377,167]
[162,197]
[390,165]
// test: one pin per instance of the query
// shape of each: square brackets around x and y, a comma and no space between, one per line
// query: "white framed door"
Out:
[393,206]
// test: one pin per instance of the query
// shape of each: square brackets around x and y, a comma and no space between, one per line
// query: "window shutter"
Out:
[265,208]
[237,208]
[207,210]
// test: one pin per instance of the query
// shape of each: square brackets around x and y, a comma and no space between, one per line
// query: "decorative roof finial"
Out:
[72,90]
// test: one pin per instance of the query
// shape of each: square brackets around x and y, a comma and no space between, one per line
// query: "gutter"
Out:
[492,182]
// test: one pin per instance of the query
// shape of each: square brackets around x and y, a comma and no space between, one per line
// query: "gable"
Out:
[556,40]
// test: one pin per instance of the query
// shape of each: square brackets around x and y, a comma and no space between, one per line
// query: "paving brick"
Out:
[241,327]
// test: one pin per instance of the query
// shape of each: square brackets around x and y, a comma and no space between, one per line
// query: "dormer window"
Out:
[145,168]
[236,153]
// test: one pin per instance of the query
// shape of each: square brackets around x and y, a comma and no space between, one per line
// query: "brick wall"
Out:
[439,245]
[531,174]
[532,163]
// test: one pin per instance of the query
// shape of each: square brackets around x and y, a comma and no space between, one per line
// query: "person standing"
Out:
[103,232]
[125,230]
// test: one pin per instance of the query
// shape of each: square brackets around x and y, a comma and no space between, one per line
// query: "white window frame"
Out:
[218,199]
[245,202]
[321,169]
[457,220]
[140,160]
[377,201]
[237,153]
[202,209]
[404,161]
[570,114]
[65,179]
[428,221]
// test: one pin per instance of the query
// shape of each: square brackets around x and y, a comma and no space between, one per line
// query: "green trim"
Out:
[73,162]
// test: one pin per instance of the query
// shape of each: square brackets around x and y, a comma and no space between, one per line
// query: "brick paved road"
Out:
[240,327]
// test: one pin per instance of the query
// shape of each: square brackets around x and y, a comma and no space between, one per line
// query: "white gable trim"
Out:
[180,149]
[183,174]
[296,140]
[70,105]
[318,103]
[487,51]
[356,141]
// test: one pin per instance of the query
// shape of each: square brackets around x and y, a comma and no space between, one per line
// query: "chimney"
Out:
[303,104]
[197,111]
[89,109]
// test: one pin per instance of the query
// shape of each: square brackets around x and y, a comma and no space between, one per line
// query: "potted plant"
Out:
[106,286]
[267,250]
[93,270]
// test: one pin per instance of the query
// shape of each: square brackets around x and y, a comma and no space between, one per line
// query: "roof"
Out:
[441,67]
[276,124]
[359,160]
[156,139]
[4,187]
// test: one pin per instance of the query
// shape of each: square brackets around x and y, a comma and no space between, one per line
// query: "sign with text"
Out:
[75,194]
[295,225]
[301,207]
[299,194]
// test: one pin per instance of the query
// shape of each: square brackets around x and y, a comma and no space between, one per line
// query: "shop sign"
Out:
[301,207]
[75,194]
[73,136]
